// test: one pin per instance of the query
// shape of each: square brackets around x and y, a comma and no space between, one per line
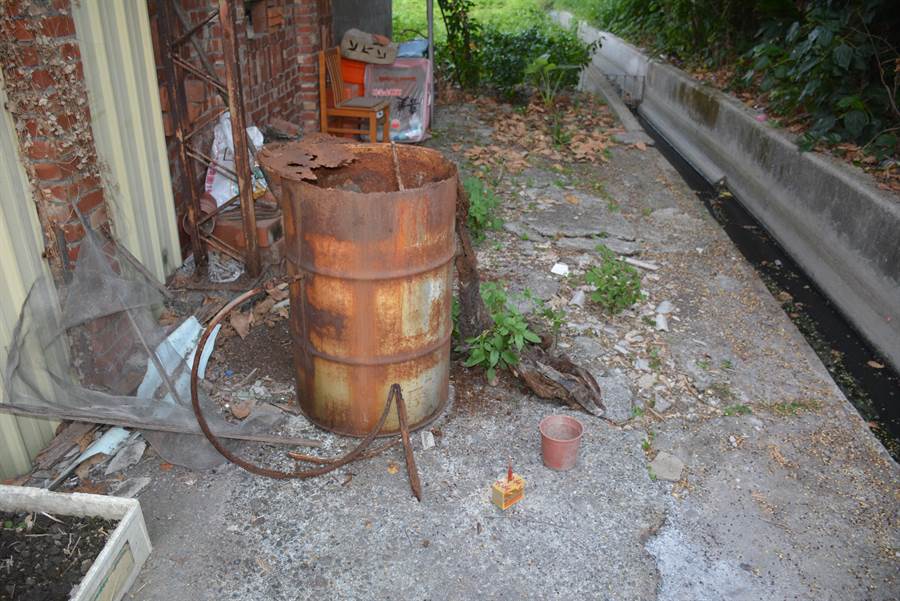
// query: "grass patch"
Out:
[738,409]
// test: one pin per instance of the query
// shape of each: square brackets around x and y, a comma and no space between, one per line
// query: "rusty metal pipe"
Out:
[354,454]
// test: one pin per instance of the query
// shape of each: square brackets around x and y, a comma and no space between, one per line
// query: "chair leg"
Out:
[386,137]
[373,129]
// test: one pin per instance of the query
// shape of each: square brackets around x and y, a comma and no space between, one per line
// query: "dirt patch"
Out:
[42,559]
[268,349]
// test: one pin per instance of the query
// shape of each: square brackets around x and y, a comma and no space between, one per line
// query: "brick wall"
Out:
[278,42]
[47,98]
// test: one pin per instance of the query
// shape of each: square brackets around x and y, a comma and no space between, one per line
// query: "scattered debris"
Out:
[427,439]
[662,323]
[128,455]
[560,269]
[578,299]
[641,264]
[243,409]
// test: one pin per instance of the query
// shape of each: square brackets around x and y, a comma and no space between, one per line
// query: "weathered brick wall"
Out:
[278,42]
[44,82]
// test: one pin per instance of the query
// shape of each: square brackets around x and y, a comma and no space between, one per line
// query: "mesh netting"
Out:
[93,350]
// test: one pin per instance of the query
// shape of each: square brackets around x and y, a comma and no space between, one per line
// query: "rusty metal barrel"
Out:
[374,306]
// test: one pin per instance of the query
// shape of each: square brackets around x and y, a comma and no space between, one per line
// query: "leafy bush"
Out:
[483,204]
[829,64]
[547,77]
[499,347]
[617,285]
[506,55]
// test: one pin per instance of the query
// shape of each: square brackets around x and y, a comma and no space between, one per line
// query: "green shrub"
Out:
[830,64]
[499,347]
[483,205]
[617,285]
[505,56]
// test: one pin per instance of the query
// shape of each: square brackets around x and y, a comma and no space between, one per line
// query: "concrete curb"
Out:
[831,218]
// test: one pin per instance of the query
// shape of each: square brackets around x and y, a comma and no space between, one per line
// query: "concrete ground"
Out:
[784,493]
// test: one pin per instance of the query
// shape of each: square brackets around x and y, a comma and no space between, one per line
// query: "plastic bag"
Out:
[407,82]
[219,182]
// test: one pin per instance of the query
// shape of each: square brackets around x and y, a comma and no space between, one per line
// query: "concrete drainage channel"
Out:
[836,270]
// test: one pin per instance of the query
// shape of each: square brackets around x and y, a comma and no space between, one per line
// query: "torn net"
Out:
[94,351]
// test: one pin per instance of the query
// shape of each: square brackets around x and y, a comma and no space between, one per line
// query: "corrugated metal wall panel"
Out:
[20,264]
[120,73]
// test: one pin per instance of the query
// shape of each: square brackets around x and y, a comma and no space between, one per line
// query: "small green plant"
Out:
[499,347]
[703,364]
[655,360]
[547,77]
[637,411]
[738,409]
[483,204]
[454,317]
[555,318]
[617,285]
[646,211]
[726,364]
[647,443]
[722,390]
[613,206]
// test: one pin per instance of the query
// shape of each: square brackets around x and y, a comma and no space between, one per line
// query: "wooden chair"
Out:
[357,107]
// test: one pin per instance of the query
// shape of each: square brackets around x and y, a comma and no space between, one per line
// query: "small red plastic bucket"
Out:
[560,439]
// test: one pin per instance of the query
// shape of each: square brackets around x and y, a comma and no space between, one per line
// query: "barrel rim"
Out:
[312,186]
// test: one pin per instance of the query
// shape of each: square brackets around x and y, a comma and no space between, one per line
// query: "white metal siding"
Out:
[20,264]
[126,118]
[117,54]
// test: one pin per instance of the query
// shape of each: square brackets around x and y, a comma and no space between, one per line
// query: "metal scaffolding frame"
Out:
[175,33]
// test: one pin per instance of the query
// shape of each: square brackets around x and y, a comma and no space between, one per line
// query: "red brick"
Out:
[20,31]
[42,150]
[66,120]
[42,78]
[59,26]
[72,251]
[28,56]
[47,171]
[99,218]
[73,232]
[90,201]
[70,51]
[57,212]
[194,90]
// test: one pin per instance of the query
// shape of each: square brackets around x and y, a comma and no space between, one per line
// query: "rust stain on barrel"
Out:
[375,306]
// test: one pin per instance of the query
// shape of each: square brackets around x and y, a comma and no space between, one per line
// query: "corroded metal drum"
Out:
[375,305]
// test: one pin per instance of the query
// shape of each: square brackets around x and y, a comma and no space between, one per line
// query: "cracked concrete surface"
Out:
[788,498]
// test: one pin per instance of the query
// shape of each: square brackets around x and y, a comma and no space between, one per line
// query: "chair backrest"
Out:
[332,59]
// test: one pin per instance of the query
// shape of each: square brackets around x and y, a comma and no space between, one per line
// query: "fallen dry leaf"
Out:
[277,293]
[572,199]
[640,146]
[241,323]
[165,466]
[262,308]
[393,467]
[875,364]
